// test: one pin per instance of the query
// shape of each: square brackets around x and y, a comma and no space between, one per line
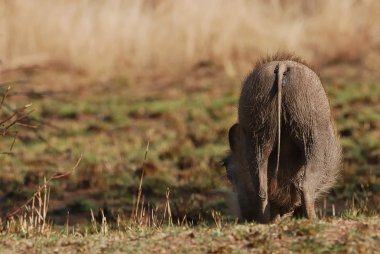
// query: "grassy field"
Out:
[361,235]
[122,103]
[110,123]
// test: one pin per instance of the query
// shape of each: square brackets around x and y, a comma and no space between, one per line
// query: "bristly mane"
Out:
[280,56]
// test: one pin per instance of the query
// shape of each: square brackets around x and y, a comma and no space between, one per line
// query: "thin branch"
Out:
[4,97]
[12,82]
[9,118]
[35,119]
[18,119]
[27,125]
[6,153]
[14,140]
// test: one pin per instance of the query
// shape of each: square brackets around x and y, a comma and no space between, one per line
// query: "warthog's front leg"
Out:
[264,215]
[261,167]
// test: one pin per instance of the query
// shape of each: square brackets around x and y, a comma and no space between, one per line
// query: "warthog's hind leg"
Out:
[308,193]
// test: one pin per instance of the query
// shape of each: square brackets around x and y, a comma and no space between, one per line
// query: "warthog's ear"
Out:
[234,136]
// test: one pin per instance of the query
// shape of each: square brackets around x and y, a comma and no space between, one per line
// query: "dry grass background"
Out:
[170,37]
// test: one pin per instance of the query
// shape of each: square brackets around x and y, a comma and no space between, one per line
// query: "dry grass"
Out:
[31,217]
[173,36]
[290,236]
[34,215]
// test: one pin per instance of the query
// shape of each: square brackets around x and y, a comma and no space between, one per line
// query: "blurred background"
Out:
[107,77]
[105,38]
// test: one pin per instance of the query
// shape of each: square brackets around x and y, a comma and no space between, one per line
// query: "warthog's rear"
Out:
[283,98]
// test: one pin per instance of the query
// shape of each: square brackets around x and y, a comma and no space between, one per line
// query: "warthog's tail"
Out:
[280,71]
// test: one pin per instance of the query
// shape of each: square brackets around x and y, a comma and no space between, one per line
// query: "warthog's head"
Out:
[244,182]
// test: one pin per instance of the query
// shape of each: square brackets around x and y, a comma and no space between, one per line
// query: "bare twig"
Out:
[27,125]
[14,140]
[6,153]
[35,119]
[4,97]
[18,119]
[13,119]
[9,118]
[12,82]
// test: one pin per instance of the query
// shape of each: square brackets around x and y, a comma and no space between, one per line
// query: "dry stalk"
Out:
[43,210]
[136,209]
[104,226]
[149,216]
[217,217]
[67,222]
[93,222]
[167,208]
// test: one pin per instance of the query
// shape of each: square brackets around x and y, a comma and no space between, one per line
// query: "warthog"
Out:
[285,151]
